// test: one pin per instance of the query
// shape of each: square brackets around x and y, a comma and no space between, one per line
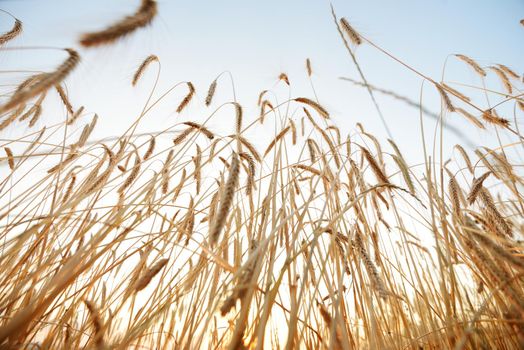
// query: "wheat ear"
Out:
[13,33]
[141,18]
[43,84]
[226,200]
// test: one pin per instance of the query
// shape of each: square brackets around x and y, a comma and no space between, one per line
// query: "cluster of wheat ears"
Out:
[184,238]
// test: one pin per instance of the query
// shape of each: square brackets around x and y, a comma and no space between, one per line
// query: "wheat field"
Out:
[187,238]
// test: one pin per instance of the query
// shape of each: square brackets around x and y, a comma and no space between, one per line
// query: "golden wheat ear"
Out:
[472,63]
[141,18]
[146,278]
[45,81]
[491,116]
[350,31]
[13,33]
[316,106]
[186,99]
[140,71]
[211,92]
[308,67]
[226,200]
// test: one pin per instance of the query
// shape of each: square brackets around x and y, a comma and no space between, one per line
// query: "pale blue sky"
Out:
[196,40]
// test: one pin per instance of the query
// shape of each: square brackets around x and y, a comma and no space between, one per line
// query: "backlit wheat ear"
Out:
[493,213]
[260,97]
[293,132]
[186,99]
[311,145]
[445,98]
[350,32]
[476,187]
[506,255]
[70,157]
[226,200]
[75,116]
[379,173]
[70,187]
[325,136]
[403,167]
[337,132]
[490,116]
[371,269]
[211,92]
[326,316]
[132,176]
[141,69]
[212,149]
[64,98]
[146,278]
[98,183]
[466,158]
[284,78]
[13,33]
[201,128]
[225,162]
[86,132]
[36,108]
[98,326]
[455,92]
[141,18]
[238,118]
[29,82]
[44,83]
[320,110]
[36,141]
[508,71]
[12,117]
[198,164]
[265,104]
[189,221]
[309,70]
[165,171]
[34,112]
[239,292]
[251,173]
[180,185]
[180,138]
[150,149]
[483,157]
[36,115]
[279,136]
[472,64]
[503,78]
[245,142]
[453,190]
[470,118]
[308,168]
[10,158]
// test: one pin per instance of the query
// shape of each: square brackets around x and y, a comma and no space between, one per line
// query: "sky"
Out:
[256,41]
